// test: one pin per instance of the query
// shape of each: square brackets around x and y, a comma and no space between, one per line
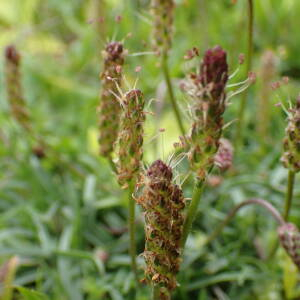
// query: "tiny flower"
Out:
[241,58]
[191,53]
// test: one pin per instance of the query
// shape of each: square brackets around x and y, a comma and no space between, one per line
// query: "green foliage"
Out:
[65,217]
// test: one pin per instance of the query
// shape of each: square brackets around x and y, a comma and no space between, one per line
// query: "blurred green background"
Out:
[63,218]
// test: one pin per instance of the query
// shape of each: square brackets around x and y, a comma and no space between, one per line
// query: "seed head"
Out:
[163,14]
[289,237]
[130,138]
[163,204]
[207,90]
[109,107]
[14,87]
[291,143]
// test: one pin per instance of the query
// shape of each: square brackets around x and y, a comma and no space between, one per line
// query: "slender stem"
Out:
[274,212]
[155,293]
[131,228]
[289,194]
[165,67]
[192,211]
[159,294]
[241,114]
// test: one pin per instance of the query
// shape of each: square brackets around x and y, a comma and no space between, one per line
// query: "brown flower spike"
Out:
[163,203]
[291,143]
[14,87]
[109,108]
[163,14]
[130,139]
[208,93]
[289,237]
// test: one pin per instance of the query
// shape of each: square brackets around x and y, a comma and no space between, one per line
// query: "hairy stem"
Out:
[192,211]
[166,72]
[155,293]
[241,114]
[274,212]
[289,194]
[131,228]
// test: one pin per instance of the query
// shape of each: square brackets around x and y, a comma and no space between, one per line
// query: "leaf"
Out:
[28,294]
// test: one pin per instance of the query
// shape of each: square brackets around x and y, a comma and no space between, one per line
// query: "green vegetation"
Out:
[67,228]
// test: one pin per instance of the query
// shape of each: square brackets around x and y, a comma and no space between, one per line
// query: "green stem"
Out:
[192,211]
[232,214]
[155,293]
[131,228]
[241,114]
[289,194]
[165,67]
[159,294]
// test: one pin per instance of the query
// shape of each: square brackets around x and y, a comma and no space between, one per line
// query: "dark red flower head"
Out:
[159,170]
[114,50]
[12,54]
[214,70]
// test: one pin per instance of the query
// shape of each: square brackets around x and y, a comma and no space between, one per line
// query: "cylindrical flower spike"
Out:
[224,156]
[109,108]
[163,14]
[291,144]
[163,203]
[130,139]
[14,87]
[289,237]
[208,93]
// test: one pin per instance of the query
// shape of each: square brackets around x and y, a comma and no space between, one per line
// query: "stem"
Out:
[192,211]
[165,67]
[155,293]
[241,114]
[131,228]
[276,215]
[289,194]
[158,294]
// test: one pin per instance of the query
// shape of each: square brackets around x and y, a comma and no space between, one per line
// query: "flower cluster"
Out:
[109,108]
[291,144]
[289,237]
[163,11]
[14,88]
[163,203]
[130,139]
[209,101]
